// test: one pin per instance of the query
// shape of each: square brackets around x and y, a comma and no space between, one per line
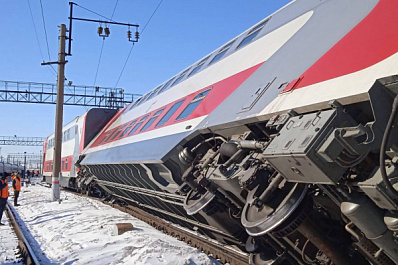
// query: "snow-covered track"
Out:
[25,249]
[224,254]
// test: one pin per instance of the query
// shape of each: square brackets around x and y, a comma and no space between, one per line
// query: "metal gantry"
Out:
[27,141]
[91,96]
[30,160]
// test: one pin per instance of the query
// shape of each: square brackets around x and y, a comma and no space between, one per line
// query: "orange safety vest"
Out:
[4,191]
[17,184]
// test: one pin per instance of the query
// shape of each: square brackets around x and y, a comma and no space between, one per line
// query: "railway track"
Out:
[224,254]
[25,250]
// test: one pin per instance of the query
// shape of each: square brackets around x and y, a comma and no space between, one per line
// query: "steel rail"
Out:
[25,249]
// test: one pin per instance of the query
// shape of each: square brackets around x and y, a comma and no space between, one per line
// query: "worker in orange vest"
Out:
[3,194]
[16,187]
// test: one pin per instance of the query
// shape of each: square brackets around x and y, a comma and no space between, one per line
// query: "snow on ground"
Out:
[8,243]
[80,231]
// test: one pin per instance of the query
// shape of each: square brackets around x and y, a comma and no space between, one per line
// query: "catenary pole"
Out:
[59,115]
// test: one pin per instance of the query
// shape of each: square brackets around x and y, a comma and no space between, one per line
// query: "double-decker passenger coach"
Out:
[282,142]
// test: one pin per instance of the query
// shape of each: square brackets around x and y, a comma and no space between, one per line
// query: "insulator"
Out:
[107,31]
[137,35]
[129,34]
[100,30]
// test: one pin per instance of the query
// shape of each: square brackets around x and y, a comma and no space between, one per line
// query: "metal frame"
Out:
[30,92]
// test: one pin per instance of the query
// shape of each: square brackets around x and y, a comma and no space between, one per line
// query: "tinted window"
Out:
[252,34]
[154,93]
[135,103]
[118,132]
[127,129]
[113,132]
[194,103]
[151,120]
[106,136]
[222,52]
[165,87]
[198,66]
[138,125]
[178,80]
[170,113]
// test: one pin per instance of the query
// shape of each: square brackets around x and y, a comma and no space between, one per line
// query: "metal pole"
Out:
[24,166]
[40,173]
[59,115]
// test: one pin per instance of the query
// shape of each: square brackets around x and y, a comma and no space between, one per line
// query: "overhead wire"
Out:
[102,47]
[45,30]
[128,56]
[37,39]
[117,1]
[45,33]
[48,48]
[110,19]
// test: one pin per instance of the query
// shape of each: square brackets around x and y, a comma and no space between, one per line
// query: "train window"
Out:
[110,136]
[194,103]
[127,129]
[252,34]
[170,113]
[144,98]
[63,164]
[154,92]
[138,125]
[135,103]
[105,137]
[151,120]
[118,131]
[198,66]
[165,87]
[180,77]
[66,163]
[222,52]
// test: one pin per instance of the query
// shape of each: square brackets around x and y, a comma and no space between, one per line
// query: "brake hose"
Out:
[386,135]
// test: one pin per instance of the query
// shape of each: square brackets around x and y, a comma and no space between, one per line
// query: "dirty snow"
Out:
[80,231]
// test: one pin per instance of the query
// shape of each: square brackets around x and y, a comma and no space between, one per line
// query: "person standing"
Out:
[3,194]
[16,186]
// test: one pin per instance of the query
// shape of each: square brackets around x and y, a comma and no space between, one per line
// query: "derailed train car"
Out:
[282,142]
[76,135]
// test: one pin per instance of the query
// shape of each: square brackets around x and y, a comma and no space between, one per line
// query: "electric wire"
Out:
[94,12]
[37,38]
[117,1]
[45,30]
[45,33]
[149,20]
[102,47]
[143,29]
[99,61]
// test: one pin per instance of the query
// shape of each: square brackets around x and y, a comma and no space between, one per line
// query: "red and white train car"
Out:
[283,136]
[75,137]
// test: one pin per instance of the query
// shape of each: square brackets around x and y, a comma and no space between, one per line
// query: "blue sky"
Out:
[180,33]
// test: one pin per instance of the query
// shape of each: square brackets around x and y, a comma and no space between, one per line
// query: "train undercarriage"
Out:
[317,187]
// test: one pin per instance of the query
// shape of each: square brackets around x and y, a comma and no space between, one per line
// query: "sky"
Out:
[177,35]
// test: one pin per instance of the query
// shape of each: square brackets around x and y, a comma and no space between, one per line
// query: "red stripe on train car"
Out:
[219,92]
[374,39]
